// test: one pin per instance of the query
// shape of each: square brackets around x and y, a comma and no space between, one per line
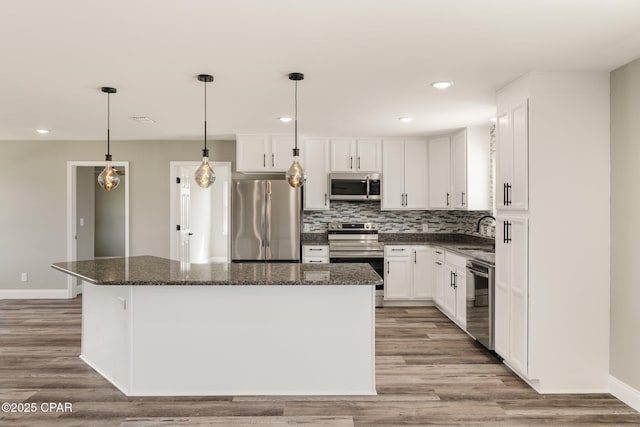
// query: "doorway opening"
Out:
[200,217]
[97,220]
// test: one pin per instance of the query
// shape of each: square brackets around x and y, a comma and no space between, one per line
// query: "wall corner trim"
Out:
[624,392]
[34,294]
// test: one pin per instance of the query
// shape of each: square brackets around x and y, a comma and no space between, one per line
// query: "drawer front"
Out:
[397,250]
[455,260]
[315,251]
[315,260]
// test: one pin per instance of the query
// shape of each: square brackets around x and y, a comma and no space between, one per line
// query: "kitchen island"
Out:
[157,327]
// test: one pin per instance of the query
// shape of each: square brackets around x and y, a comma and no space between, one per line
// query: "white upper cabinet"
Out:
[459,170]
[404,174]
[264,153]
[459,196]
[356,155]
[512,172]
[315,161]
[440,173]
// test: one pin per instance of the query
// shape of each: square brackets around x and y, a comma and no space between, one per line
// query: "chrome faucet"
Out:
[480,220]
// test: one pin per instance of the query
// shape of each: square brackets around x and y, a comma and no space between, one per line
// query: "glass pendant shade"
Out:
[205,176]
[296,176]
[108,178]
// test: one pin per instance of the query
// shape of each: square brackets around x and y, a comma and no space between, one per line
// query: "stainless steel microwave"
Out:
[355,186]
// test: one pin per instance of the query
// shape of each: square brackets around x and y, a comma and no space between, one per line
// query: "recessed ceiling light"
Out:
[142,119]
[406,119]
[285,119]
[42,131]
[441,85]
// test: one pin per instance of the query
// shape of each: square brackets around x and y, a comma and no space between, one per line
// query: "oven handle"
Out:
[478,272]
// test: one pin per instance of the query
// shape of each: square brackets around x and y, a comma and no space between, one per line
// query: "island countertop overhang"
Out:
[154,271]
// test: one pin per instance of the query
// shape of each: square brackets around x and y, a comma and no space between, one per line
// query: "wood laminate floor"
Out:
[429,372]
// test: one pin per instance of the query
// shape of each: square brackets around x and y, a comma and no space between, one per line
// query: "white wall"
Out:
[34,211]
[110,220]
[625,224]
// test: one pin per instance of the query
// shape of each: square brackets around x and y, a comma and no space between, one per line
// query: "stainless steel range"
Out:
[358,242]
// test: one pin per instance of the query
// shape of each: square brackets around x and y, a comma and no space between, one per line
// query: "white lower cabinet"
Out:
[407,273]
[450,293]
[511,294]
[438,276]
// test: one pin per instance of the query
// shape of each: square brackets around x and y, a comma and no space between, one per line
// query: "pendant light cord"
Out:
[108,123]
[295,112]
[205,116]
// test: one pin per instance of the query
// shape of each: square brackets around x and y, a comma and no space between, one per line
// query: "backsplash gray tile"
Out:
[462,222]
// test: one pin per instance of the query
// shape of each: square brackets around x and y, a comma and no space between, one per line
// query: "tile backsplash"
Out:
[461,222]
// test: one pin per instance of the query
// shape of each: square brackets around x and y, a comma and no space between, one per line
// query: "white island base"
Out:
[231,340]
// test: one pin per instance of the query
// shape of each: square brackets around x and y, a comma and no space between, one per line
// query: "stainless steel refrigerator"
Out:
[266,221]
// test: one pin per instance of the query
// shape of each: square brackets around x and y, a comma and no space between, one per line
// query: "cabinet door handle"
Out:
[463,198]
[504,232]
[351,162]
[314,249]
[508,194]
[455,280]
[264,160]
[397,249]
[508,231]
[358,162]
[451,279]
[415,257]
[438,263]
[504,194]
[273,160]
[402,199]
[325,199]
[387,267]
[439,252]
[311,260]
[447,199]
[406,199]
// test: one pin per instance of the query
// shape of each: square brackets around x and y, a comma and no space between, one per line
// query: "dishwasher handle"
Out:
[479,273]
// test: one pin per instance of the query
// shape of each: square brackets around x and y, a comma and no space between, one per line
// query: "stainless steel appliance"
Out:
[480,309]
[265,221]
[358,242]
[355,186]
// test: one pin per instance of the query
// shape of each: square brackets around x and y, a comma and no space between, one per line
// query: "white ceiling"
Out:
[366,62]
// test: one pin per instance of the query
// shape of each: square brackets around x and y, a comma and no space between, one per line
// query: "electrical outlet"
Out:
[24,277]
[425,227]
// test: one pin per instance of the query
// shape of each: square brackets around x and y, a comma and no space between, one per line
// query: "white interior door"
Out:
[200,217]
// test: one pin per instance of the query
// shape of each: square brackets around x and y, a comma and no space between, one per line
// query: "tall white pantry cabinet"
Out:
[552,237]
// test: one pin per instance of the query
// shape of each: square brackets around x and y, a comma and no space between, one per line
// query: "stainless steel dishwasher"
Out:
[480,310]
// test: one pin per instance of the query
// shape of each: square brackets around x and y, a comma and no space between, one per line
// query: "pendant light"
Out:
[108,178]
[296,176]
[204,174]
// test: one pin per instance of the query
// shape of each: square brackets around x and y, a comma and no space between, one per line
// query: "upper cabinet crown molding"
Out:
[264,153]
[356,154]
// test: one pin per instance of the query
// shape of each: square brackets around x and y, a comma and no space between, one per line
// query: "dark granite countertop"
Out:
[150,270]
[479,248]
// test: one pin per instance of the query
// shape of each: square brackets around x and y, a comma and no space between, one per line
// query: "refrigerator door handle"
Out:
[267,222]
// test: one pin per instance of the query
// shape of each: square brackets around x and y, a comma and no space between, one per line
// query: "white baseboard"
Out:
[624,392]
[408,303]
[34,294]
